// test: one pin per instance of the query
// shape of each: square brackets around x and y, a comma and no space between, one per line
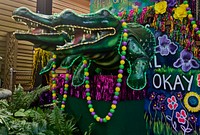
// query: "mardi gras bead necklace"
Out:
[87,83]
[118,84]
[66,85]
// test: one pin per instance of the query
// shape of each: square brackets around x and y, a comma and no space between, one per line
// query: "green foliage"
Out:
[17,118]
[22,99]
[58,123]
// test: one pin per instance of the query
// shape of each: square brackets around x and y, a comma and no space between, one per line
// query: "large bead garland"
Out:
[118,85]
[54,97]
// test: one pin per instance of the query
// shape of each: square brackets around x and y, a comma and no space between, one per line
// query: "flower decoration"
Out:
[192,118]
[162,107]
[179,95]
[171,3]
[185,61]
[166,46]
[152,96]
[156,106]
[160,7]
[192,102]
[181,116]
[180,12]
[172,103]
[161,98]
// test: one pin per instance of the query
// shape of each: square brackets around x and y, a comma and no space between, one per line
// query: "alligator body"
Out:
[96,37]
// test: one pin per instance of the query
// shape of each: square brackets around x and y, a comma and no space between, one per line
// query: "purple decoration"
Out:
[110,114]
[124,43]
[89,102]
[152,96]
[166,46]
[196,29]
[125,30]
[185,61]
[123,57]
[100,120]
[63,102]
[118,84]
[93,113]
[87,78]
[171,3]
[114,102]
[188,9]
[179,95]
[162,107]
[161,98]
[87,90]
[120,71]
[102,87]
[116,97]
[192,19]
[192,118]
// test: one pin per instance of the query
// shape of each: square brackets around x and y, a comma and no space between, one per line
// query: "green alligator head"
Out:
[67,30]
[96,37]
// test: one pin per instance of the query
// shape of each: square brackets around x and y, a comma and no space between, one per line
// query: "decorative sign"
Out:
[173,102]
[118,5]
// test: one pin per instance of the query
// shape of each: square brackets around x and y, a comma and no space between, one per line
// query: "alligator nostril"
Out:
[20,10]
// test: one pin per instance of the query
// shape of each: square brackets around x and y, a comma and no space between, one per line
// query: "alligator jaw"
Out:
[82,35]
[77,35]
[34,28]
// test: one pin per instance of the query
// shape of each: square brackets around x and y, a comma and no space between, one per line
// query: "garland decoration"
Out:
[118,85]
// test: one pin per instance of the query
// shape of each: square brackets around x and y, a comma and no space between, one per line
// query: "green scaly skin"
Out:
[96,37]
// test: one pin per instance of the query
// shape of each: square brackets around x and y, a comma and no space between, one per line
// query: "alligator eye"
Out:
[67,14]
[105,13]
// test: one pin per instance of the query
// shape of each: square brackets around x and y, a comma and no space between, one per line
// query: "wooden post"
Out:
[44,7]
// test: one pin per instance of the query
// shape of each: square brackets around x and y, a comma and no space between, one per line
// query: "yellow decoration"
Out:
[194,26]
[86,73]
[66,85]
[54,56]
[53,85]
[125,34]
[124,24]
[180,12]
[54,66]
[124,48]
[54,75]
[40,58]
[117,89]
[66,75]
[87,86]
[122,62]
[188,106]
[190,16]
[160,7]
[98,118]
[113,106]
[120,75]
[107,117]
[91,110]
[62,106]
[84,61]
[88,98]
[65,96]
[54,95]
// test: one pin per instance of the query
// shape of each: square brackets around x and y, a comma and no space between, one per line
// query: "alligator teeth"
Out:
[98,36]
[90,32]
[72,29]
[83,39]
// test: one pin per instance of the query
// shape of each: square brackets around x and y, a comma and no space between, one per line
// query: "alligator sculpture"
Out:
[94,36]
